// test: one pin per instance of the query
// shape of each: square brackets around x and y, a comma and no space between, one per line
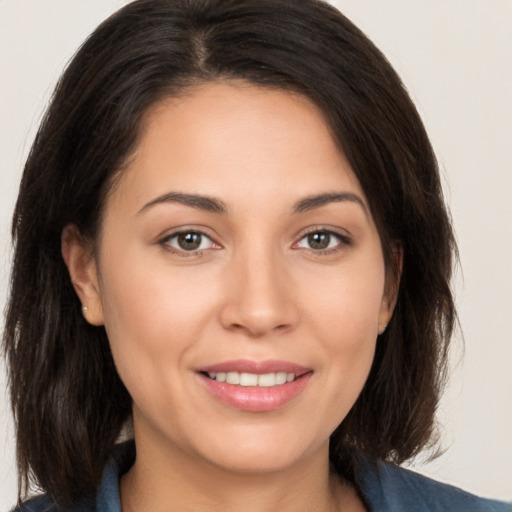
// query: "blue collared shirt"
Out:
[385,487]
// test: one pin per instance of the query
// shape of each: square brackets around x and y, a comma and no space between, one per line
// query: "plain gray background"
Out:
[456,59]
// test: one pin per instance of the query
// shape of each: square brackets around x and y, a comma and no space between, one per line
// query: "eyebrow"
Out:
[317,201]
[197,201]
[214,205]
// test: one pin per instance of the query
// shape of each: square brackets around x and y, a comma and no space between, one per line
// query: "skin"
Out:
[256,289]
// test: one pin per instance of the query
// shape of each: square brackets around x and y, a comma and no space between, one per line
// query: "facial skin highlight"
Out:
[237,237]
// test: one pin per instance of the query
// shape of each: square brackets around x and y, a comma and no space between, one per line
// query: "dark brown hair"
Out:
[68,401]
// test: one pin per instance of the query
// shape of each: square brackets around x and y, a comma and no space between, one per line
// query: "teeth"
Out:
[248,379]
[252,379]
[281,378]
[233,378]
[267,380]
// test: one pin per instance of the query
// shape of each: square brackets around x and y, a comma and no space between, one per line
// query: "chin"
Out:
[249,462]
[261,452]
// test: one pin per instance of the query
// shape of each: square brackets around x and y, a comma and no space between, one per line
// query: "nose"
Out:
[259,297]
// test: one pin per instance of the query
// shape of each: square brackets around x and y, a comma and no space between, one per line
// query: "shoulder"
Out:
[39,504]
[45,504]
[107,498]
[391,488]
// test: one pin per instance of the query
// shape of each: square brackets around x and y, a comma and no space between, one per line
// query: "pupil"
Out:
[189,241]
[319,240]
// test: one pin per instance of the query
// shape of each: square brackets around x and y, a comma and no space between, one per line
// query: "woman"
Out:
[237,241]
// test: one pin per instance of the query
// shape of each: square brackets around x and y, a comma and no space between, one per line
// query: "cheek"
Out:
[343,316]
[154,313]
[150,330]
[346,304]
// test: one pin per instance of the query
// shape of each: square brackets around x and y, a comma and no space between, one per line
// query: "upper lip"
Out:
[256,367]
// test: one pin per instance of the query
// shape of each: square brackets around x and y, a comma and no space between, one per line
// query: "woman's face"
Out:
[238,246]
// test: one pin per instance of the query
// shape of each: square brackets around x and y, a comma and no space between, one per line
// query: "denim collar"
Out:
[385,488]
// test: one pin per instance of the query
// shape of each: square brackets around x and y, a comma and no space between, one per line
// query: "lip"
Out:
[255,398]
[257,367]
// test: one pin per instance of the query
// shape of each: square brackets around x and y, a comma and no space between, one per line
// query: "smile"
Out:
[266,380]
[254,386]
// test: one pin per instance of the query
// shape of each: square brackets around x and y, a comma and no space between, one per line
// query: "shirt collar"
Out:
[108,498]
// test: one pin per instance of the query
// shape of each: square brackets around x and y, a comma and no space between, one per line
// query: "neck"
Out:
[170,480]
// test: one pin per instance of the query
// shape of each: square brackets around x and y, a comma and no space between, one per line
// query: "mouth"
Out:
[265,380]
[255,386]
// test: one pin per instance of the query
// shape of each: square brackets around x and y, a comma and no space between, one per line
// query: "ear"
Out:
[392,285]
[81,264]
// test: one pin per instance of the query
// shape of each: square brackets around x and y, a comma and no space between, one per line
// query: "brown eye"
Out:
[319,240]
[189,241]
[322,240]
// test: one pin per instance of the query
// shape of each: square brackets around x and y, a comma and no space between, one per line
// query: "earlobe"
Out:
[79,259]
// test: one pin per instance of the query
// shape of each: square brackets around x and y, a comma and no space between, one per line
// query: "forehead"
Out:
[232,136]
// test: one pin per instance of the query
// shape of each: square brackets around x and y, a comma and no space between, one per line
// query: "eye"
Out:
[321,240]
[189,241]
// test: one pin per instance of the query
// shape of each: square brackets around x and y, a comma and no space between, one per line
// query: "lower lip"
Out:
[255,398]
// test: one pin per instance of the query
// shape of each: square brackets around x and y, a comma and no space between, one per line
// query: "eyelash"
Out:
[343,241]
[165,243]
